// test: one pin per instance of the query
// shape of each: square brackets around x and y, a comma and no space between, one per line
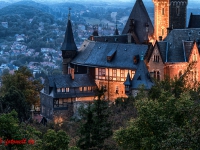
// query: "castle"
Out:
[122,63]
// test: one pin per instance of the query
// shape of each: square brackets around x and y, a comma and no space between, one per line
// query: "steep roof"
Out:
[95,54]
[128,80]
[141,77]
[162,47]
[64,81]
[141,18]
[175,50]
[68,43]
[194,21]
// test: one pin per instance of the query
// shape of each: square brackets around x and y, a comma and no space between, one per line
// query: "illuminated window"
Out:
[67,89]
[132,74]
[122,73]
[63,89]
[194,57]
[81,89]
[114,72]
[89,88]
[163,31]
[102,71]
[85,88]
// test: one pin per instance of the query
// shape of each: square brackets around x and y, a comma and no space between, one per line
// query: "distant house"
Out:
[4,24]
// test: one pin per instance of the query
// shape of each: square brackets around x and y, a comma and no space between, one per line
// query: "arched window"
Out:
[154,73]
[158,75]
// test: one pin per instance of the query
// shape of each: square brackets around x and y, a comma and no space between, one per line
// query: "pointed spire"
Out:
[116,30]
[69,43]
[69,14]
[128,80]
[142,76]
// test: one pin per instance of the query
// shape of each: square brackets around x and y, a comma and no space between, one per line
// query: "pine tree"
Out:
[85,129]
[96,127]
[101,127]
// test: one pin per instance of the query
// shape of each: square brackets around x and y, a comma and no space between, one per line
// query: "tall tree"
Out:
[96,128]
[85,130]
[14,99]
[22,79]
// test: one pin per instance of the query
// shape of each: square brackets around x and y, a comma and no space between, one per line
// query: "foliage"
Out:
[22,80]
[167,118]
[14,99]
[55,140]
[85,130]
[11,129]
[96,127]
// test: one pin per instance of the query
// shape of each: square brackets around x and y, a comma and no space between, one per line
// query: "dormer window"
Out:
[80,89]
[58,90]
[89,88]
[67,89]
[85,88]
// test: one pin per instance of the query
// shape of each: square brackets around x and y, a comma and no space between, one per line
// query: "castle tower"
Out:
[69,49]
[168,15]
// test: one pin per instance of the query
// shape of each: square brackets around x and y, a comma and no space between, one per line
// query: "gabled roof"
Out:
[69,43]
[161,48]
[95,54]
[175,50]
[141,77]
[194,21]
[141,18]
[64,81]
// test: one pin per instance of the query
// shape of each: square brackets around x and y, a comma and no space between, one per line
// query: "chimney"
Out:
[72,73]
[160,38]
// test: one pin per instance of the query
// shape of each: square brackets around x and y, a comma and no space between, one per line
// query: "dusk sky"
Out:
[87,0]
